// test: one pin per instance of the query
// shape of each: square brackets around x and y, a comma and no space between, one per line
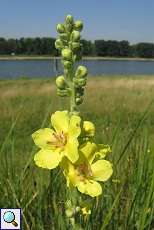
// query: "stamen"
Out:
[59,140]
[84,170]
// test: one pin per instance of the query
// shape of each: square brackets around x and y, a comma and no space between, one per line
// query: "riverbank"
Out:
[9,57]
[110,78]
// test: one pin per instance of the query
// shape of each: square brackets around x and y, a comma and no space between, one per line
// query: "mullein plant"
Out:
[69,144]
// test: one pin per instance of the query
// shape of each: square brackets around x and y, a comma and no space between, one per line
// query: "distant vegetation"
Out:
[46,46]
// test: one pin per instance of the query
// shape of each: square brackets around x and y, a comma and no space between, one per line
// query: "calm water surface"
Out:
[47,68]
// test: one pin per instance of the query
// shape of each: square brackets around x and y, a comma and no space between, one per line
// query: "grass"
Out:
[122,109]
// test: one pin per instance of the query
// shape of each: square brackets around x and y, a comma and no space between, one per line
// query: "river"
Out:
[12,69]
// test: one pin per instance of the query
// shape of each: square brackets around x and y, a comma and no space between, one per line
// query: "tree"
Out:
[112,48]
[125,49]
[48,46]
[3,46]
[87,47]
[100,48]
[37,46]
[11,46]
[145,50]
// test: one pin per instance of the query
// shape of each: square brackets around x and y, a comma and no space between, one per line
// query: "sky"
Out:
[131,20]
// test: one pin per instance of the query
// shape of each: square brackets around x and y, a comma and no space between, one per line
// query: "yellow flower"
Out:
[85,173]
[59,141]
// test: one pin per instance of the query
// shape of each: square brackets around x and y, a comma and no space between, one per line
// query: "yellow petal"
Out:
[74,126]
[90,187]
[71,150]
[101,170]
[60,121]
[88,150]
[47,159]
[42,136]
[71,175]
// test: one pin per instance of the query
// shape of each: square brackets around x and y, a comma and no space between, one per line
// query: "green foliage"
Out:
[112,48]
[28,46]
[45,46]
[145,50]
[87,47]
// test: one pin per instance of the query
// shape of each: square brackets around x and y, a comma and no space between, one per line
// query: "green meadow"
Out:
[122,109]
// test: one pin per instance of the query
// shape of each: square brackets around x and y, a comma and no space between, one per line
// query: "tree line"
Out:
[105,48]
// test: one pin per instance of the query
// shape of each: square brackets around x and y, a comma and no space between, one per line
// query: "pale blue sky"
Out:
[132,20]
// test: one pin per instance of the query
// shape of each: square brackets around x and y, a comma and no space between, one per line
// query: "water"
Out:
[46,68]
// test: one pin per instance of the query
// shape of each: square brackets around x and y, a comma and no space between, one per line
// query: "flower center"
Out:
[84,171]
[58,139]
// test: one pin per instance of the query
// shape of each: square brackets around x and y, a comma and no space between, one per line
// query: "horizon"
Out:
[131,44]
[131,21]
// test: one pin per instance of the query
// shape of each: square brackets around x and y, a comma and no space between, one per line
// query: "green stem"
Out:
[73,106]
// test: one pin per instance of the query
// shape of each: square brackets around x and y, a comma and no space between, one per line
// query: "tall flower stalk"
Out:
[70,143]
[72,83]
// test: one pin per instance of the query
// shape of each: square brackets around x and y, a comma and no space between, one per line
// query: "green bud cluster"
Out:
[80,80]
[62,86]
[73,82]
[69,39]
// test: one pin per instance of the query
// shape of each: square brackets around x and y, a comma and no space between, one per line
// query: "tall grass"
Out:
[123,111]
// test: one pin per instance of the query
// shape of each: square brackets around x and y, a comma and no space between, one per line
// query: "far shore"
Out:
[9,57]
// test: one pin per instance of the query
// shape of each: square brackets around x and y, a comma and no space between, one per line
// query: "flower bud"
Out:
[78,25]
[79,82]
[69,27]
[82,82]
[69,212]
[62,92]
[75,36]
[60,28]
[75,46]
[89,128]
[60,82]
[67,54]
[63,36]
[67,64]
[77,209]
[79,100]
[66,71]
[81,72]
[79,91]
[59,44]
[69,19]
